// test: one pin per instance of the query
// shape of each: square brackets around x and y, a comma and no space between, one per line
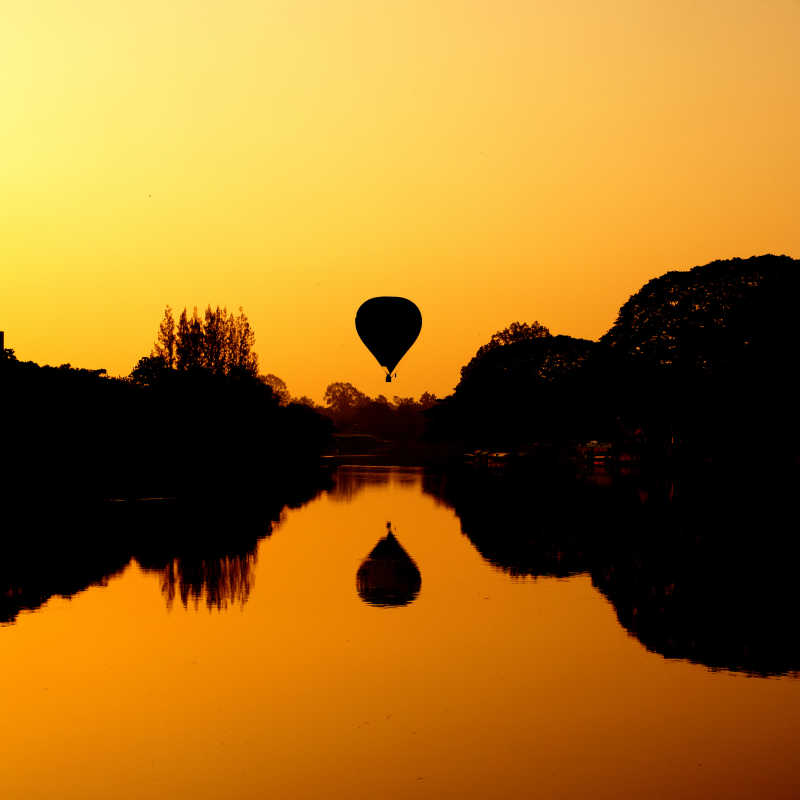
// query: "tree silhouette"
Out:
[522,386]
[705,357]
[278,387]
[149,370]
[698,362]
[343,398]
[516,332]
[220,343]
[164,348]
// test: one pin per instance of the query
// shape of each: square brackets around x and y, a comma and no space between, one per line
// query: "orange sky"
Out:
[492,161]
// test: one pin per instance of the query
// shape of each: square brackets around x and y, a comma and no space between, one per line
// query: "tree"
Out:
[342,398]
[427,400]
[215,336]
[241,340]
[279,389]
[165,343]
[149,370]
[524,385]
[305,400]
[516,332]
[220,342]
[185,355]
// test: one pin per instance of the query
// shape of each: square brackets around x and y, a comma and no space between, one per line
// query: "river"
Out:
[486,650]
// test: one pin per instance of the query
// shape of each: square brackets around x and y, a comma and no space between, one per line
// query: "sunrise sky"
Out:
[492,160]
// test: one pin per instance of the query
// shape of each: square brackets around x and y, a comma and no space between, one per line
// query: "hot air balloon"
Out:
[388,576]
[388,326]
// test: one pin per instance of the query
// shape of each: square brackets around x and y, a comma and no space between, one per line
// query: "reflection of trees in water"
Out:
[349,481]
[206,554]
[35,567]
[219,581]
[203,550]
[388,576]
[524,527]
[702,568]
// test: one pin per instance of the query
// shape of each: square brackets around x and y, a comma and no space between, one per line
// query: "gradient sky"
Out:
[493,160]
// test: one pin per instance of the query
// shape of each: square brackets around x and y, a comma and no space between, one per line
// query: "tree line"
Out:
[192,419]
[699,362]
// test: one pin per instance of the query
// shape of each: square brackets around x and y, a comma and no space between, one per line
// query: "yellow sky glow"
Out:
[492,161]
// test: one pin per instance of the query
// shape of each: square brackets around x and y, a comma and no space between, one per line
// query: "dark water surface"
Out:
[503,638]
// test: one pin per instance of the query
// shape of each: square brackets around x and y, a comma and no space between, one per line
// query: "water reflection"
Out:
[700,568]
[218,581]
[351,480]
[47,552]
[202,549]
[388,576]
[206,554]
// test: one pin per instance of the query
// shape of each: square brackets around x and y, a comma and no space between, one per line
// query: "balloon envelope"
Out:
[388,326]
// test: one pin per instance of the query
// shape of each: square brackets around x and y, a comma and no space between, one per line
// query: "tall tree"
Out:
[215,335]
[164,348]
[183,353]
[241,340]
[196,340]
[219,342]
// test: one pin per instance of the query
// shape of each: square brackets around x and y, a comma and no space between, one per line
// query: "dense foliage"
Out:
[701,361]
[710,317]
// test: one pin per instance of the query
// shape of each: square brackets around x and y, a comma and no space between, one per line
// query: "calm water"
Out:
[525,655]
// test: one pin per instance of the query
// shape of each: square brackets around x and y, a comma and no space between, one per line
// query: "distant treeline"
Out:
[399,419]
[700,362]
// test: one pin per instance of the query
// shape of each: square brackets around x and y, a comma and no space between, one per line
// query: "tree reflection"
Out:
[54,552]
[220,581]
[527,525]
[698,567]
[207,552]
[204,550]
[349,481]
[388,576]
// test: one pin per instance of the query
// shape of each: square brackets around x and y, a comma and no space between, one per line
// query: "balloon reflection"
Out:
[388,576]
